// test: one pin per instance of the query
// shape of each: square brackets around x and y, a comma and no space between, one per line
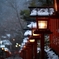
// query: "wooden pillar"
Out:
[42,46]
[22,54]
[29,51]
[35,49]
[56,5]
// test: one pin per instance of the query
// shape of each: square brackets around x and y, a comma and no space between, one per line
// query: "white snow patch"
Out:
[32,25]
[2,46]
[8,35]
[6,42]
[43,11]
[33,12]
[28,32]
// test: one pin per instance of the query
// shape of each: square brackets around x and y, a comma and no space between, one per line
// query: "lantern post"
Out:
[42,22]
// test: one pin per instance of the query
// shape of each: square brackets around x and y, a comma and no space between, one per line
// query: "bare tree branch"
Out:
[13,4]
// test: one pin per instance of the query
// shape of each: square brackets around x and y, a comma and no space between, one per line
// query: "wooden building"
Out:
[54,38]
[54,27]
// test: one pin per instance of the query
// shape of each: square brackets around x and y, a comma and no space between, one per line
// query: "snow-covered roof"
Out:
[0,41]
[32,25]
[33,12]
[2,46]
[25,39]
[42,12]
[22,44]
[3,36]
[8,35]
[28,32]
[6,49]
[6,42]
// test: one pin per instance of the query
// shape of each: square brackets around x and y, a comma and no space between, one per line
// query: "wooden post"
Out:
[42,46]
[35,49]
[56,5]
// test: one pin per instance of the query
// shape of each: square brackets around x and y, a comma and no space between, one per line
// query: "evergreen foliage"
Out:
[25,13]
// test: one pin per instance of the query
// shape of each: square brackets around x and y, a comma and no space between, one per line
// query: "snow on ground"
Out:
[51,54]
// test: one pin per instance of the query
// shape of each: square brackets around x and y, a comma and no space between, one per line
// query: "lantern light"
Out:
[42,24]
[33,33]
[2,48]
[19,45]
[32,40]
[24,46]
